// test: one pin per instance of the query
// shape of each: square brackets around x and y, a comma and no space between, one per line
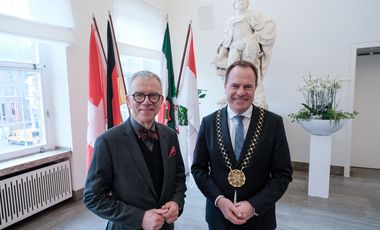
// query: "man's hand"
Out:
[153,219]
[230,212]
[245,209]
[172,211]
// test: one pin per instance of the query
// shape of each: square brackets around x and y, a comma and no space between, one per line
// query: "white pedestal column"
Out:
[319,166]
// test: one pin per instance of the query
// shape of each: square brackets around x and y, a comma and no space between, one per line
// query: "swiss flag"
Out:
[96,114]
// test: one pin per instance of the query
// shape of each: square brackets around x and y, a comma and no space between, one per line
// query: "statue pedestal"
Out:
[319,166]
[320,154]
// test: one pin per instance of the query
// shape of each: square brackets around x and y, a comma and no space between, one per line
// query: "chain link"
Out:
[251,147]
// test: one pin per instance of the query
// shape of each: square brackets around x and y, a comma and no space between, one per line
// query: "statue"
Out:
[248,35]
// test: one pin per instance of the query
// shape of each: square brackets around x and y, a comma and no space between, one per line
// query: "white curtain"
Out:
[42,19]
[55,13]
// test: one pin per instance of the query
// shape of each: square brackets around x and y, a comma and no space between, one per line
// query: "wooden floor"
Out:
[354,204]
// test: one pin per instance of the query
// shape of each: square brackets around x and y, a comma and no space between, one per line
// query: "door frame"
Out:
[351,97]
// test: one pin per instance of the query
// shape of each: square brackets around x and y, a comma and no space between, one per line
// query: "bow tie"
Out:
[150,135]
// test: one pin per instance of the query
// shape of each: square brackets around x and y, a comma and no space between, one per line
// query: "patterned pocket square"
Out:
[172,152]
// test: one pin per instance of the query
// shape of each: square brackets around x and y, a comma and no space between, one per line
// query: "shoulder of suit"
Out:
[271,115]
[114,131]
[165,128]
[211,116]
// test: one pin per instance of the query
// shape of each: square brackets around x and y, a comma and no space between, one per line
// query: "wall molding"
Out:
[77,194]
[304,166]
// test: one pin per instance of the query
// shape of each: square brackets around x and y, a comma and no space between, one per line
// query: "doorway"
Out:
[366,126]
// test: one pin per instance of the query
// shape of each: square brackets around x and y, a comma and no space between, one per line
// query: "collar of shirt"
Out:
[136,126]
[246,114]
[232,122]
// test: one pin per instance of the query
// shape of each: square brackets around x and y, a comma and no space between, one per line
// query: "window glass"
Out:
[131,65]
[21,102]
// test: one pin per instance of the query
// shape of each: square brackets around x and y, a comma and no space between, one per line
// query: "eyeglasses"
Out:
[140,97]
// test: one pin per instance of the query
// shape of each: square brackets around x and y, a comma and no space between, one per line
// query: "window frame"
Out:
[27,150]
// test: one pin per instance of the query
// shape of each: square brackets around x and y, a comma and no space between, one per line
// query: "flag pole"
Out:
[183,57]
[104,54]
[117,53]
[100,39]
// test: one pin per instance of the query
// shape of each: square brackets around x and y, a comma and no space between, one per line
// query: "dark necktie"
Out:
[239,135]
[150,135]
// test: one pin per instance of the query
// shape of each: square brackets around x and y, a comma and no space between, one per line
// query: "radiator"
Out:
[26,194]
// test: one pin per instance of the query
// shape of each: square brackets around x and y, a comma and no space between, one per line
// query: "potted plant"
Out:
[320,114]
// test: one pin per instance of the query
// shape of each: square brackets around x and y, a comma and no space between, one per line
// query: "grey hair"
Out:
[144,74]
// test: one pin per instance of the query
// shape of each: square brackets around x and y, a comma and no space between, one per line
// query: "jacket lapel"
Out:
[250,133]
[132,144]
[164,143]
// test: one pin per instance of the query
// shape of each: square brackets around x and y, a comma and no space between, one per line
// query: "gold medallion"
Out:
[236,178]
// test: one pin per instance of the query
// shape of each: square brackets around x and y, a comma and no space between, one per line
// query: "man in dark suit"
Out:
[136,179]
[241,159]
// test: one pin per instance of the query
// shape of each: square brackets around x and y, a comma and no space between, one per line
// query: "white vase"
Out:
[322,127]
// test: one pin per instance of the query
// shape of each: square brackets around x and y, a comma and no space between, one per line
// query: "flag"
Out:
[115,84]
[96,114]
[188,104]
[166,114]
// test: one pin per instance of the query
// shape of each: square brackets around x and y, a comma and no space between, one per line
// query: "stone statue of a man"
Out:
[248,35]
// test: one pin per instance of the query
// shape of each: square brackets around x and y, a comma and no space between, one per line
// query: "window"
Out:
[12,91]
[132,64]
[31,66]
[2,111]
[22,121]
[140,27]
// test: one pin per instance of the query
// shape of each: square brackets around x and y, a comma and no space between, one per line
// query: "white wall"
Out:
[56,90]
[77,64]
[313,36]
[365,129]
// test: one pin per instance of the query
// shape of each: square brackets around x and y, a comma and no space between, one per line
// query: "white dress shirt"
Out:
[232,122]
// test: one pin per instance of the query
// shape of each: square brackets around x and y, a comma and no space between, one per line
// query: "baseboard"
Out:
[304,166]
[77,195]
[300,166]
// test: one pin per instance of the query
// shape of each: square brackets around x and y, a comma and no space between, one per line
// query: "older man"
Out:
[136,179]
[241,159]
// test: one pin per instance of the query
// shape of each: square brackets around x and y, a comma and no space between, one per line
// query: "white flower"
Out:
[320,99]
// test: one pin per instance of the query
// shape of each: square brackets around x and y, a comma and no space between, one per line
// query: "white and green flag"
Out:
[187,100]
